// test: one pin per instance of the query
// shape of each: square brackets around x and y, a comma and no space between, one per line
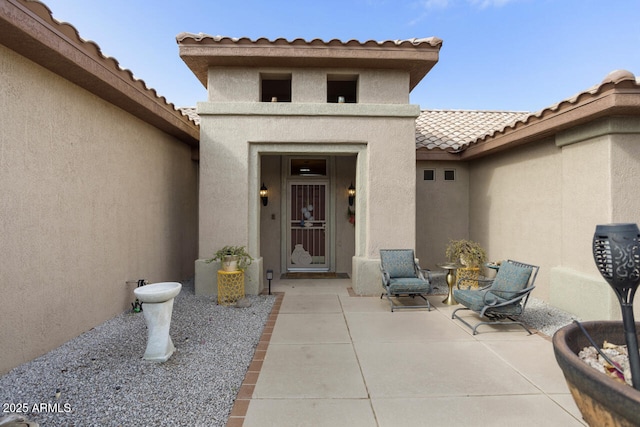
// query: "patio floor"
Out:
[330,359]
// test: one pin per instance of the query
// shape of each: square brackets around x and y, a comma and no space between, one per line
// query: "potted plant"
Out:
[232,258]
[467,252]
[471,255]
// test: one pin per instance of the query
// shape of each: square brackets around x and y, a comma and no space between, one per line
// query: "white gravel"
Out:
[546,318]
[104,381]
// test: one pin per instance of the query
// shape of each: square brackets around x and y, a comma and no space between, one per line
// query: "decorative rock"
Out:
[243,303]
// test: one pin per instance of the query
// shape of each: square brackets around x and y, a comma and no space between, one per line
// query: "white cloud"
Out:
[444,4]
[436,4]
[483,4]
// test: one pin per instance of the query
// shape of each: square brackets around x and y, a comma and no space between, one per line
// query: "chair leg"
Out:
[474,328]
[399,307]
[389,298]
[454,316]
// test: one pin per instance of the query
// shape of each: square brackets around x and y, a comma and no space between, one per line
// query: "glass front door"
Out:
[307,238]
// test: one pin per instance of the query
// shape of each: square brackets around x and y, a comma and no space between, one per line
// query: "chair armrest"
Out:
[424,271]
[517,296]
[385,277]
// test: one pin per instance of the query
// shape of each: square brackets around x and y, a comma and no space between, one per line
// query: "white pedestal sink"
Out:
[158,306]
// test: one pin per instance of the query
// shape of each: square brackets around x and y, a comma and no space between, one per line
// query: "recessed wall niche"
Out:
[275,87]
[342,88]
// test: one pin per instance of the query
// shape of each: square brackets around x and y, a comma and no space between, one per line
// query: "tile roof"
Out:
[191,112]
[618,94]
[202,51]
[454,129]
[202,38]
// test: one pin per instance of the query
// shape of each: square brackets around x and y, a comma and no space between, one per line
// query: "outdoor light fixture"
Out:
[264,195]
[352,194]
[269,278]
[616,251]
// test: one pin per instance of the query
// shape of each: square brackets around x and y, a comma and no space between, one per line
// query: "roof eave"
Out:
[202,52]
[612,100]
[28,28]
[436,154]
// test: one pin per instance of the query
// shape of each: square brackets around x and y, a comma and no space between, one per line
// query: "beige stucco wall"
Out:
[540,203]
[308,85]
[270,215]
[515,208]
[91,198]
[602,162]
[442,211]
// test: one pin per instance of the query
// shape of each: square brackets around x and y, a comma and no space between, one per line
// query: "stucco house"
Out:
[527,186]
[104,182]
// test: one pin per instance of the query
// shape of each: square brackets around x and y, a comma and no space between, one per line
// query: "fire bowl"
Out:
[601,400]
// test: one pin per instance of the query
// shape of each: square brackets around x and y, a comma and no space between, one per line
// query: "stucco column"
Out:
[387,200]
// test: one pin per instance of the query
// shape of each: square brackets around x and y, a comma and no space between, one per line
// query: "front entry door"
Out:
[307,223]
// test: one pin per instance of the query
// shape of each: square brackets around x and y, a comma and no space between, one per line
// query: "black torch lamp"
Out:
[616,251]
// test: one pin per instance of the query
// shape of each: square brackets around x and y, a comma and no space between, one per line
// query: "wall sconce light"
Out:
[269,278]
[352,194]
[264,195]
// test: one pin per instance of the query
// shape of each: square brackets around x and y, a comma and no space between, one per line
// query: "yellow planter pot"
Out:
[468,277]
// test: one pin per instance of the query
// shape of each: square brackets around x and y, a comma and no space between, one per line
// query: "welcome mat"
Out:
[312,275]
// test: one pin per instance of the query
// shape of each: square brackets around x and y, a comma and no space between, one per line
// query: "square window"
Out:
[275,87]
[342,88]
[449,175]
[429,175]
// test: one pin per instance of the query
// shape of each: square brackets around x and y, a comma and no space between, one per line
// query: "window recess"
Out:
[275,87]
[342,88]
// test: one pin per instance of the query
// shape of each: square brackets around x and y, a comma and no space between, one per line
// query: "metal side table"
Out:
[451,268]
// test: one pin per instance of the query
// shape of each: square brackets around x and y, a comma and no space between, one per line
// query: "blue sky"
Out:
[520,55]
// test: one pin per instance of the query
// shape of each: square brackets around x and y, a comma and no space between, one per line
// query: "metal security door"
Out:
[307,239]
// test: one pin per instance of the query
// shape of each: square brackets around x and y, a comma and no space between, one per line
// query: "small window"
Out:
[429,175]
[449,175]
[308,167]
[275,87]
[342,88]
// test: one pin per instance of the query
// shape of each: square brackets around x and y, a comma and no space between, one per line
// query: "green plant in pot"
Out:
[467,252]
[232,258]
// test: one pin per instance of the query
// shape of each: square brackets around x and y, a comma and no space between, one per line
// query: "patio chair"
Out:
[503,300]
[402,276]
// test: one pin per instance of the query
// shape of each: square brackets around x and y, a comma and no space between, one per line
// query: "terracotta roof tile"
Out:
[454,129]
[191,113]
[202,38]
[201,52]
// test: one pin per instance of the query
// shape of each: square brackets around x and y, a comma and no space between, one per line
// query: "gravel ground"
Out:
[103,380]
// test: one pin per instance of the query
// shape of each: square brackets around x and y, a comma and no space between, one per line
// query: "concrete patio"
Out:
[327,358]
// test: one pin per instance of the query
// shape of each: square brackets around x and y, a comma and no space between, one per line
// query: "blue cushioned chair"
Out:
[503,300]
[402,276]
